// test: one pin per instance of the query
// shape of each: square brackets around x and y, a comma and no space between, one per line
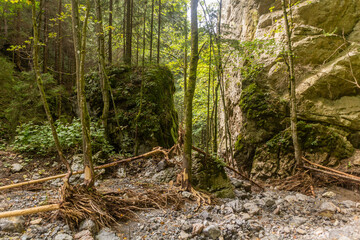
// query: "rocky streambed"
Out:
[271,214]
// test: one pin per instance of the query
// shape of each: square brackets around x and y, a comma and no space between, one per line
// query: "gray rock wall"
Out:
[326,37]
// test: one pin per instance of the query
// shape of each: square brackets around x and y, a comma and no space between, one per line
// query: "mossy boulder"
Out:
[323,144]
[263,113]
[158,119]
[209,175]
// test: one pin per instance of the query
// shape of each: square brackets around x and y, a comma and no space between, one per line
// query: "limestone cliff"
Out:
[326,37]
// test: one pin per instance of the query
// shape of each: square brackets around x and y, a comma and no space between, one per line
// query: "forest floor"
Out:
[333,214]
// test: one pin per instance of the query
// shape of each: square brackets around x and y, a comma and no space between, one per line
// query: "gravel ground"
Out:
[268,215]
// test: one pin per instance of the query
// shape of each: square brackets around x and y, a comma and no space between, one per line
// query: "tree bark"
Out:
[185,60]
[151,28]
[42,92]
[45,47]
[207,133]
[159,32]
[220,74]
[293,110]
[59,59]
[144,36]
[128,33]
[189,95]
[110,31]
[104,81]
[79,35]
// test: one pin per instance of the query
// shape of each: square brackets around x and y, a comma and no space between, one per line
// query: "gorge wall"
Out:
[326,37]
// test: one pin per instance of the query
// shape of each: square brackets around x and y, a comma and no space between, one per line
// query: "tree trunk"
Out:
[144,36]
[124,29]
[45,48]
[59,59]
[110,31]
[185,61]
[187,162]
[104,83]
[159,32]
[220,74]
[151,28]
[215,136]
[293,113]
[42,92]
[79,35]
[128,33]
[207,132]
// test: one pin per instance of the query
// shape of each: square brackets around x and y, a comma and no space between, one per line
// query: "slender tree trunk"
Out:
[45,48]
[128,32]
[220,72]
[144,36]
[215,136]
[42,92]
[185,61]
[59,59]
[293,111]
[6,27]
[159,32]
[110,31]
[207,133]
[151,28]
[124,29]
[187,162]
[104,83]
[79,35]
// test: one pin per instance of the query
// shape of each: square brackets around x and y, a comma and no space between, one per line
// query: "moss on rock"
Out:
[158,121]
[324,144]
[209,175]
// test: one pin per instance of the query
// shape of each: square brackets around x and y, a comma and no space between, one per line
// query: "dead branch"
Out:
[336,172]
[28,211]
[333,174]
[145,155]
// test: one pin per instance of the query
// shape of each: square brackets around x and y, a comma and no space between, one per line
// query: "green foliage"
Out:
[37,139]
[20,99]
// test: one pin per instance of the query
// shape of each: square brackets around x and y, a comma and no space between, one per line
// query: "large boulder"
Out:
[157,122]
[326,37]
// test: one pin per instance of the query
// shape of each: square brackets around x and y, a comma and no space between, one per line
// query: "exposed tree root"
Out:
[201,198]
[108,208]
[300,182]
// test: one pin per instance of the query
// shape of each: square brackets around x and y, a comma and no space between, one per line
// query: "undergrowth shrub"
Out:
[37,139]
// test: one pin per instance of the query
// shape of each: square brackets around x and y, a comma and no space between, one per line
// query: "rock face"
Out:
[326,37]
[153,87]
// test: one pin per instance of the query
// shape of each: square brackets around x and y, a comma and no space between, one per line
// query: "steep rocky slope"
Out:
[326,37]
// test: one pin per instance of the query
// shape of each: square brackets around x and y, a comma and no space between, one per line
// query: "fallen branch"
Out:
[333,174]
[332,170]
[229,167]
[145,155]
[21,212]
